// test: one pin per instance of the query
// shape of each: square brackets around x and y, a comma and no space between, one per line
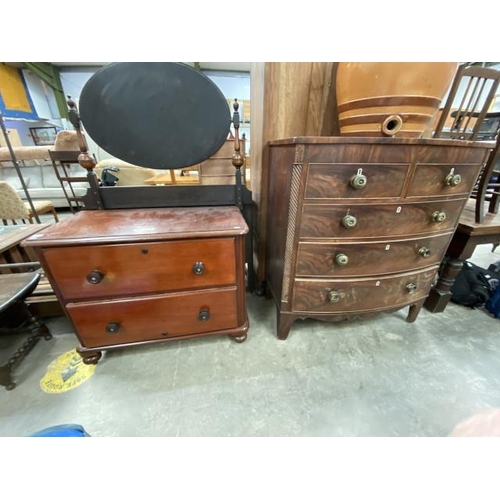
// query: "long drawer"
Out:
[106,323]
[367,259]
[357,295]
[87,272]
[377,220]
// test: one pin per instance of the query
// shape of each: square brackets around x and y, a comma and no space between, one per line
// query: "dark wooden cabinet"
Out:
[137,276]
[358,226]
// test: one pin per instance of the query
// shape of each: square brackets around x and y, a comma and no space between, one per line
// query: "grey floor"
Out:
[376,377]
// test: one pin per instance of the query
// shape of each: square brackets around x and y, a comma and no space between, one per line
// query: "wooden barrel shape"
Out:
[390,99]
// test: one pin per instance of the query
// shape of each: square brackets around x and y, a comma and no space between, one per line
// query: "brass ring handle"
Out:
[341,259]
[453,180]
[113,327]
[334,297]
[424,252]
[198,268]
[438,216]
[411,288]
[95,277]
[358,181]
[349,221]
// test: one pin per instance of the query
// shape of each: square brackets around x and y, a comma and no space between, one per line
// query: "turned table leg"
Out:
[440,294]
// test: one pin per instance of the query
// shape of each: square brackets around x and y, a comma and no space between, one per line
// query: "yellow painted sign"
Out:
[67,372]
[12,89]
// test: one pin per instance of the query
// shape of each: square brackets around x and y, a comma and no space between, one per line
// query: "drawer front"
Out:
[326,221]
[106,323]
[367,259]
[141,268]
[443,180]
[331,180]
[322,296]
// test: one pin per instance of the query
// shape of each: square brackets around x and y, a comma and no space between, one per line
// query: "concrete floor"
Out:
[376,377]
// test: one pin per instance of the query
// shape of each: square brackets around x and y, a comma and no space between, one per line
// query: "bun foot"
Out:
[89,357]
[240,338]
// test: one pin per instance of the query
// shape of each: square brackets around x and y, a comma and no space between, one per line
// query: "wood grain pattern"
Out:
[365,259]
[362,294]
[325,221]
[430,179]
[332,180]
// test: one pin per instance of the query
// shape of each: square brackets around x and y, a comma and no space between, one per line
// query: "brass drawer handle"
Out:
[341,259]
[198,268]
[453,179]
[358,181]
[349,221]
[411,288]
[334,297]
[424,252]
[113,327]
[204,315]
[95,277]
[438,216]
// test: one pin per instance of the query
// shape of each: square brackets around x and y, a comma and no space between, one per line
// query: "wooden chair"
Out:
[488,186]
[13,208]
[471,95]
[62,162]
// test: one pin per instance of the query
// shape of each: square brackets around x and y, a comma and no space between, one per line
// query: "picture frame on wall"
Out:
[43,136]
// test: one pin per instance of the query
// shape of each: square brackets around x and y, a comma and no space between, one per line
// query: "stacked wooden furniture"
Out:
[143,276]
[360,225]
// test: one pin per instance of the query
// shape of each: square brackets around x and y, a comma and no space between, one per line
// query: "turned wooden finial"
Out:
[85,159]
[237,158]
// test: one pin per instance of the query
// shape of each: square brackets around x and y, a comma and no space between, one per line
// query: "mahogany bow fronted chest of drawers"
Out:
[139,276]
[360,225]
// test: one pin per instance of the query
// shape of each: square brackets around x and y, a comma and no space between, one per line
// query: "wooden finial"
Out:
[237,158]
[85,159]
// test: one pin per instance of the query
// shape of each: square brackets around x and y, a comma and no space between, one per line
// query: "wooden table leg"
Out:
[440,294]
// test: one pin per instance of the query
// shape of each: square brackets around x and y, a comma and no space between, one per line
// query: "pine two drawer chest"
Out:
[357,226]
[141,276]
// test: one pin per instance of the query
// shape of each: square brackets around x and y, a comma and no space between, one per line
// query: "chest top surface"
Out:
[115,226]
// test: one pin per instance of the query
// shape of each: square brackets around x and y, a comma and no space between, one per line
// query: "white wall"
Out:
[42,96]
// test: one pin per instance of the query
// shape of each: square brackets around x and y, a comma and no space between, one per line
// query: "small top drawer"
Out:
[443,179]
[355,180]
[98,271]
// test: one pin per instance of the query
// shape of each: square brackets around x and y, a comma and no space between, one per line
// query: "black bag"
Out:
[473,285]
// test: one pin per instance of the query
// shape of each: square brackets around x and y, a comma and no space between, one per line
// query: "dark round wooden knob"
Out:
[95,277]
[198,268]
[113,327]
[204,315]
